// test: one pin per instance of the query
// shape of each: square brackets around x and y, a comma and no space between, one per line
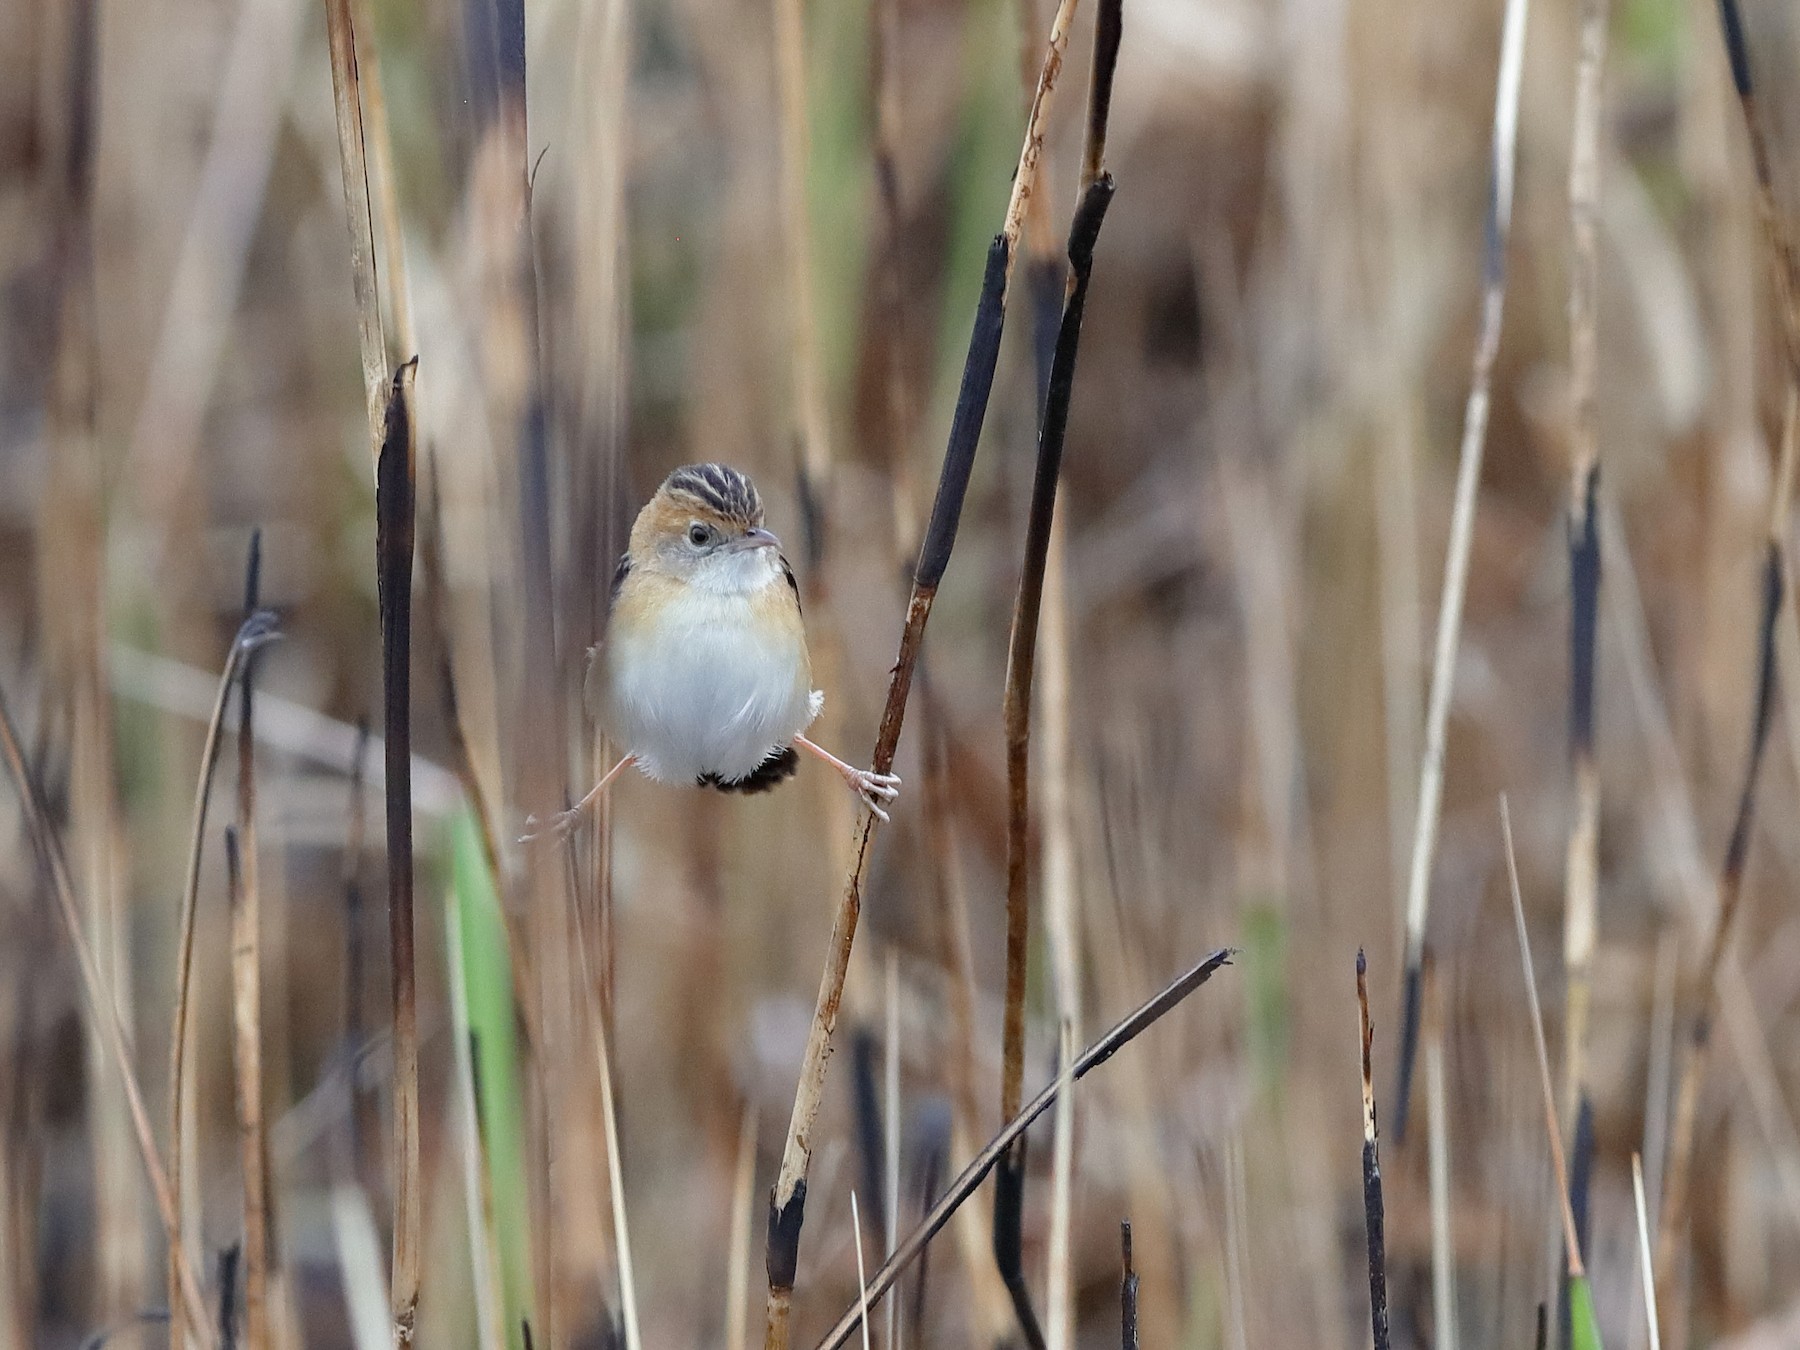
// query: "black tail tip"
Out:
[771,773]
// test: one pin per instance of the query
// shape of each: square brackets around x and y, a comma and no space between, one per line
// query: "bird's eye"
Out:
[699,534]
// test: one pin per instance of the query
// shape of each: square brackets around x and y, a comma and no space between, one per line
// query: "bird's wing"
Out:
[592,691]
[787,570]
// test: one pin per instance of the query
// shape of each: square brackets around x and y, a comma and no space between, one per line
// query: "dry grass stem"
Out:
[1646,1263]
[246,993]
[1437,1132]
[1462,533]
[621,1229]
[862,1279]
[256,631]
[1572,1243]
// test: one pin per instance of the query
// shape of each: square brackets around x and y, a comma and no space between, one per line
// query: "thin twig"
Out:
[1121,1035]
[615,1170]
[394,526]
[258,629]
[105,1013]
[1462,533]
[1571,1241]
[862,1279]
[1646,1264]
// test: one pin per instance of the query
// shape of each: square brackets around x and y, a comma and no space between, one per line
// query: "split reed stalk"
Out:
[346,90]
[1462,534]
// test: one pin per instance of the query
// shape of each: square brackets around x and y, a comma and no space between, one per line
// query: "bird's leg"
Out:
[873,788]
[563,821]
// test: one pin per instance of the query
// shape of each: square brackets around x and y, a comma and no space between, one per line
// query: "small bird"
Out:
[704,676]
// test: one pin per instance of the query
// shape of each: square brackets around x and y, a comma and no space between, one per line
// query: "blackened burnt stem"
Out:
[1128,1293]
[1374,1212]
[1020,668]
[1584,614]
[971,1177]
[1009,1239]
[870,1146]
[394,519]
[787,1200]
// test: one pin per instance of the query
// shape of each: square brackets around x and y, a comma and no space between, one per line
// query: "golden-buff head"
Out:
[703,522]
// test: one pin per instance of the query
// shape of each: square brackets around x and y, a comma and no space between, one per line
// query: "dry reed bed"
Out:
[1225,733]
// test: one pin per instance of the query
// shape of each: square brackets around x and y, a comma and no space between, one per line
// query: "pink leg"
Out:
[874,789]
[564,821]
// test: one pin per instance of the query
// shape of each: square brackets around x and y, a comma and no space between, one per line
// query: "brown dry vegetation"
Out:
[1255,511]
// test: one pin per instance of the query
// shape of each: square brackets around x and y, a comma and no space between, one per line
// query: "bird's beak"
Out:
[753,539]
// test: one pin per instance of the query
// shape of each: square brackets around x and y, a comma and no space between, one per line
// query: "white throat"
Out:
[742,573]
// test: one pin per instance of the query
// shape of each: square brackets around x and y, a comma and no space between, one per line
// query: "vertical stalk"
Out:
[1462,534]
[394,518]
[246,990]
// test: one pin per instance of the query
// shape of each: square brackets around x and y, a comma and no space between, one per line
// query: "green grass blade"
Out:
[1584,1327]
[487,983]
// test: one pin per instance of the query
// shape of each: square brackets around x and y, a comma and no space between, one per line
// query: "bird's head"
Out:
[704,526]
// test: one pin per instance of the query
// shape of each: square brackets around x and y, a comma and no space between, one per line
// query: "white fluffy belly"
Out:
[704,689]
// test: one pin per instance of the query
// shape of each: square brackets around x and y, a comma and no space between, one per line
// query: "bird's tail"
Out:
[773,771]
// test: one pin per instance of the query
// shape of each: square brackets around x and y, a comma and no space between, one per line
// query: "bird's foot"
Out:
[875,789]
[557,826]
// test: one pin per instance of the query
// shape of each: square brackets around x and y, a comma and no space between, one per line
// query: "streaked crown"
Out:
[716,488]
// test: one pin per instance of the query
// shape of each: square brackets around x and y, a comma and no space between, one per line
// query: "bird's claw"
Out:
[876,789]
[557,827]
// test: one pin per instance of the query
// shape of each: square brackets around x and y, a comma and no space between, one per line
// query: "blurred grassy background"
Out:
[1256,497]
